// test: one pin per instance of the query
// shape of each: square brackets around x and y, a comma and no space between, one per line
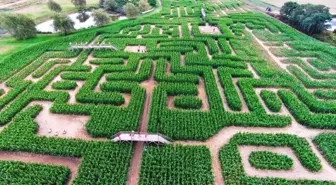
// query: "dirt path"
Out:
[182,60]
[151,29]
[134,173]
[232,50]
[223,137]
[221,91]
[273,57]
[208,52]
[250,68]
[202,95]
[242,99]
[178,12]
[180,30]
[69,162]
[282,65]
[219,49]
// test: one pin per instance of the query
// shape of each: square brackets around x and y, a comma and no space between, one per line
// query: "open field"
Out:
[38,10]
[239,97]
[328,3]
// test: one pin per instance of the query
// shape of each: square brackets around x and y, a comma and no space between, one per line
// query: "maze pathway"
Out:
[223,88]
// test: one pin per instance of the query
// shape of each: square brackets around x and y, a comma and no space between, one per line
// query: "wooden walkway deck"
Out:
[74,47]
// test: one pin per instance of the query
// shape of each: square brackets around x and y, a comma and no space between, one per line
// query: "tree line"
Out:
[307,18]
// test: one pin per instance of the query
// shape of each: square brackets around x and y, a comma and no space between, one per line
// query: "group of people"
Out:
[141,51]
[56,133]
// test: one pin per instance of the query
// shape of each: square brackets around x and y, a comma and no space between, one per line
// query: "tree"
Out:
[110,5]
[315,18]
[18,25]
[287,9]
[152,2]
[83,16]
[307,18]
[79,3]
[131,10]
[100,17]
[101,3]
[53,6]
[144,5]
[63,23]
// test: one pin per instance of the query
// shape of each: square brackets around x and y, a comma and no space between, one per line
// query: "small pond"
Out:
[47,26]
[333,24]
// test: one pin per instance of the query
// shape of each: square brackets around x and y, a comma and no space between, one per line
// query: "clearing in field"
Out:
[237,98]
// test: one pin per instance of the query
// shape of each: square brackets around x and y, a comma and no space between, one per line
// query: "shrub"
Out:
[187,102]
[270,161]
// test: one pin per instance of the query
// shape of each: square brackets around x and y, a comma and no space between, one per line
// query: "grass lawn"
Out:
[8,44]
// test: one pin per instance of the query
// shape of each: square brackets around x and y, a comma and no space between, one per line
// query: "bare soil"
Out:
[244,105]
[202,95]
[180,30]
[60,125]
[178,12]
[136,49]
[250,68]
[185,11]
[151,29]
[209,29]
[133,175]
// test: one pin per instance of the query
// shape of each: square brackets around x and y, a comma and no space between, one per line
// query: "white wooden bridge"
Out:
[92,46]
[141,136]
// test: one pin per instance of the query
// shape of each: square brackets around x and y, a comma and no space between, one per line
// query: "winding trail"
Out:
[134,172]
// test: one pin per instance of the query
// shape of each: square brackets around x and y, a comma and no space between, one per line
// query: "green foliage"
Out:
[18,25]
[186,164]
[64,85]
[131,10]
[187,102]
[326,143]
[110,5]
[231,162]
[53,6]
[144,5]
[100,17]
[79,3]
[152,3]
[271,100]
[270,161]
[32,173]
[63,24]
[308,18]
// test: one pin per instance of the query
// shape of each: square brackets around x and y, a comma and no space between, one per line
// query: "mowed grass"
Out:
[9,45]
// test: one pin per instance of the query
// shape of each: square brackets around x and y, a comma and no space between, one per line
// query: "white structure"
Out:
[83,46]
[203,14]
[141,136]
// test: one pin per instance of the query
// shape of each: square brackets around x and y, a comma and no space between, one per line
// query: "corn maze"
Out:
[245,99]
